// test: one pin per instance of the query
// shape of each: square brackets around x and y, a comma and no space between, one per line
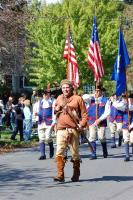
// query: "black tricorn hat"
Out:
[47,90]
[39,93]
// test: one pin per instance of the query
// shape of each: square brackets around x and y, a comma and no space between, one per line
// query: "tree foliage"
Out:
[47,34]
[13,17]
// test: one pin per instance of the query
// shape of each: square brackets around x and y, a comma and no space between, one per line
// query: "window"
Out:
[88,88]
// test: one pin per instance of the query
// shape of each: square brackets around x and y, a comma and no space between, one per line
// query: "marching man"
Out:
[67,107]
[127,123]
[98,111]
[115,121]
[45,124]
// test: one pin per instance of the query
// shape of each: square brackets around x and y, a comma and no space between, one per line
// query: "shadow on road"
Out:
[109,178]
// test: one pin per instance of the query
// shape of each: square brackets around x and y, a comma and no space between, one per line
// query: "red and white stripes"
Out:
[95,60]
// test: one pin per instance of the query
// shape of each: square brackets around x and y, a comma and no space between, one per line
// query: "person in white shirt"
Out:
[35,112]
[45,119]
[27,120]
[127,123]
[98,111]
[115,121]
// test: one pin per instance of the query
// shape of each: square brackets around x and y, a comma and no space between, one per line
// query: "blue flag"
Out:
[122,62]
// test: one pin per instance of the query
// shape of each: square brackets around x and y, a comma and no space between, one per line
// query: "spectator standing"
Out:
[1,120]
[33,97]
[12,118]
[27,120]
[19,117]
[9,106]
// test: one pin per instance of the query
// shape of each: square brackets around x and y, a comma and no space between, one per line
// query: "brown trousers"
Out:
[63,143]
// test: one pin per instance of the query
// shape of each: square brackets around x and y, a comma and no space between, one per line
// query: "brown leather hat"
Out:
[66,81]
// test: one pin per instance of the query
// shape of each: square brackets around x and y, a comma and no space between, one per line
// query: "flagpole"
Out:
[120,66]
[96,101]
[128,113]
[126,92]
[68,61]
[95,7]
[68,64]
[72,72]
[96,85]
[95,59]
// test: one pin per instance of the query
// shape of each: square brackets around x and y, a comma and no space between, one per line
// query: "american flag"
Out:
[69,55]
[94,55]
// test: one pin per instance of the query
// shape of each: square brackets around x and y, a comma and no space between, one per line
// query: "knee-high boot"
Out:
[132,149]
[113,142]
[120,140]
[127,158]
[76,171]
[60,169]
[104,146]
[93,155]
[42,151]
[51,149]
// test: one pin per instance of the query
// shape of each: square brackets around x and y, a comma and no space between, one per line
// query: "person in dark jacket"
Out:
[19,117]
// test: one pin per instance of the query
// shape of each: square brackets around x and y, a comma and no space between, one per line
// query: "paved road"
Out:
[24,177]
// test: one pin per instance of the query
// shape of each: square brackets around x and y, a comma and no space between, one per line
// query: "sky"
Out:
[51,1]
[48,1]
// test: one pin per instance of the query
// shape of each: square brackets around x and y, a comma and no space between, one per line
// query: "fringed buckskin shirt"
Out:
[76,105]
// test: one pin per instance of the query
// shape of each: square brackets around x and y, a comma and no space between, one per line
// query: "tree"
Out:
[13,17]
[48,32]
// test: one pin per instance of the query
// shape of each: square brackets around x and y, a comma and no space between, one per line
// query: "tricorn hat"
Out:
[48,89]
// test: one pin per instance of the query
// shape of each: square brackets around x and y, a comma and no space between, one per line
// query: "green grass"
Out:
[7,144]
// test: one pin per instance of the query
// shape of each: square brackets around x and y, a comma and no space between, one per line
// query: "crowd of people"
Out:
[17,117]
[68,115]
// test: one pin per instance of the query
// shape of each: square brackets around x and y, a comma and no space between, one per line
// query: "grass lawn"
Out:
[7,145]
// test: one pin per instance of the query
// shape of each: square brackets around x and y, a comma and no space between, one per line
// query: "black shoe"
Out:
[42,158]
[113,146]
[120,141]
[127,159]
[105,155]
[75,179]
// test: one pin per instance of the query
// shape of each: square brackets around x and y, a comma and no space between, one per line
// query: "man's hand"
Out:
[57,108]
[54,126]
[79,128]
[97,122]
